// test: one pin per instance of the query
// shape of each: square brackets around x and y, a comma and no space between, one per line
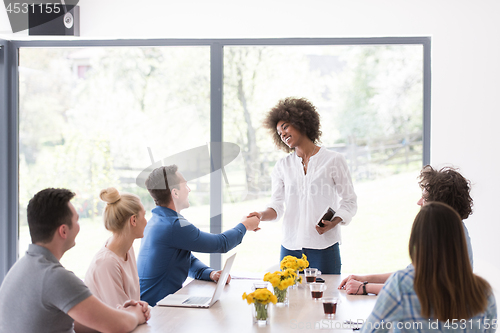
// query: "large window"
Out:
[95,114]
[91,118]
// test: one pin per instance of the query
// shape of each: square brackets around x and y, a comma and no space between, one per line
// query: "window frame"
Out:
[9,115]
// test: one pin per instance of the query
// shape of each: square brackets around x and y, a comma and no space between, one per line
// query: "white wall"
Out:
[465,68]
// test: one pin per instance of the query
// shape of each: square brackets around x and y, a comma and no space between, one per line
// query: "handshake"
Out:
[251,222]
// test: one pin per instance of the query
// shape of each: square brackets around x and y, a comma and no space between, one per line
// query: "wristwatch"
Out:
[364,288]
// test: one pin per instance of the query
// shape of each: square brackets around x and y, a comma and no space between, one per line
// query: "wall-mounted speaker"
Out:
[54,20]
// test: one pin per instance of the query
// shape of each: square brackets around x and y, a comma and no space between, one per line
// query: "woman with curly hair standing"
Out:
[307,182]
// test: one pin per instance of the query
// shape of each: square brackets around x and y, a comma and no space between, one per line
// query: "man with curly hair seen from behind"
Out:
[307,182]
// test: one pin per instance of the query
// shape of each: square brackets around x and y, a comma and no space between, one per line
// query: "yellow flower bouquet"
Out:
[260,298]
[281,280]
[291,262]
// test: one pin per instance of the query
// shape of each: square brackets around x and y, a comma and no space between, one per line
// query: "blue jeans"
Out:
[326,260]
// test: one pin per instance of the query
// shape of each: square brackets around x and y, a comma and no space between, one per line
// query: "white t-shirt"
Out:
[307,197]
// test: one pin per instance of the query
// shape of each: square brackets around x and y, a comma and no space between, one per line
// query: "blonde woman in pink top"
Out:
[112,276]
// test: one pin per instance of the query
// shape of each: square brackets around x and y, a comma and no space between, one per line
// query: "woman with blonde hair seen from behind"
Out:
[439,292]
[112,276]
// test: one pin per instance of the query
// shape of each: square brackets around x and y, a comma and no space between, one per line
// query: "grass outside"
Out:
[376,240]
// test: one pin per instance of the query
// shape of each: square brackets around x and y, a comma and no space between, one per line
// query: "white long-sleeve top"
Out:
[307,197]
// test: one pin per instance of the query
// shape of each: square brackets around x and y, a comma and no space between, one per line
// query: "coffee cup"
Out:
[311,274]
[330,306]
[317,290]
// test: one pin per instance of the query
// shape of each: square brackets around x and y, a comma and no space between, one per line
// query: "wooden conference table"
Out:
[232,314]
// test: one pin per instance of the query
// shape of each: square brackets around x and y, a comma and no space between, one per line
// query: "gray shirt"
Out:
[37,294]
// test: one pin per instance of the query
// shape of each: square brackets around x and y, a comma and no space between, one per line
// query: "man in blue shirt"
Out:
[165,258]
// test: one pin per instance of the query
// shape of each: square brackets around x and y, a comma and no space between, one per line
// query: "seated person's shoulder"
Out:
[166,224]
[183,222]
[65,286]
[104,260]
[165,218]
[403,278]
[49,283]
[60,275]
[58,271]
[39,268]
[408,272]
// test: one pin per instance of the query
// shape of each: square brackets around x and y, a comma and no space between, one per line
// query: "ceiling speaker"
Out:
[54,20]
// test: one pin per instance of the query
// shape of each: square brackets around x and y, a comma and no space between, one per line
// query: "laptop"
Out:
[193,301]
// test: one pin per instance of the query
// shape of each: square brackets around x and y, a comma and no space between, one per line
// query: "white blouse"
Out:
[307,197]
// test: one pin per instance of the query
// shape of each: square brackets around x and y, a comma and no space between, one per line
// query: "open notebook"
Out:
[191,301]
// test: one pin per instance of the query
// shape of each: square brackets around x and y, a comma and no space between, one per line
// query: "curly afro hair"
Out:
[300,113]
[449,186]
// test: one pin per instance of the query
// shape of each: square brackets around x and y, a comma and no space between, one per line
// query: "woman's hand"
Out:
[251,223]
[328,225]
[267,215]
[258,214]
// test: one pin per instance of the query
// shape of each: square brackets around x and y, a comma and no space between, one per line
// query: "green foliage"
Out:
[88,116]
[382,92]
[369,99]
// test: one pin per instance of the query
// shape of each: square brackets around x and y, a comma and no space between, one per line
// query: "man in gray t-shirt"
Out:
[39,295]
[40,289]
